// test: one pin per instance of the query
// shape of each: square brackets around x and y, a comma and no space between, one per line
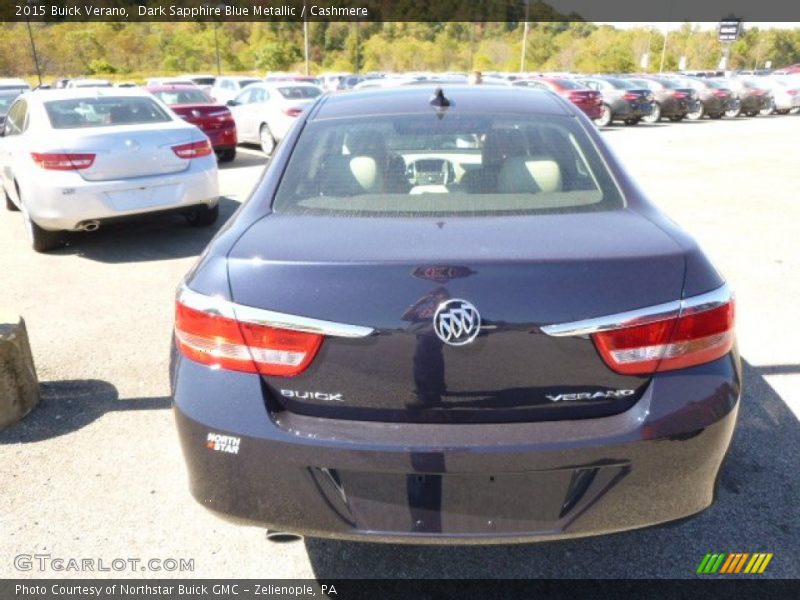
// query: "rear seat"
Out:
[529,174]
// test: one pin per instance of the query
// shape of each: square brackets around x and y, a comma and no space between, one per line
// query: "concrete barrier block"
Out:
[19,386]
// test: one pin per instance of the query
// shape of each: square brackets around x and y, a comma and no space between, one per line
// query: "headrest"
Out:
[120,114]
[365,142]
[365,171]
[529,175]
[501,144]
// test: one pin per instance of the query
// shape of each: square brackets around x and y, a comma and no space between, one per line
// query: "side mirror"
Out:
[231,103]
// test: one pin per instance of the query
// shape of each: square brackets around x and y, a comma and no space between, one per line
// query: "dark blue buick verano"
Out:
[450,316]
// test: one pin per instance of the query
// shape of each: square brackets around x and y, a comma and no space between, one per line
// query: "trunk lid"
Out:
[123,152]
[585,97]
[519,272]
[292,107]
[208,117]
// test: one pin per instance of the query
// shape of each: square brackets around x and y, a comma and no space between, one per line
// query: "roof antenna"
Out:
[438,100]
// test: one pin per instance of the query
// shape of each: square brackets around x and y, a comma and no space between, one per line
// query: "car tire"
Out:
[227,155]
[42,240]
[266,139]
[794,111]
[732,113]
[769,110]
[10,203]
[697,114]
[783,111]
[203,216]
[655,114]
[633,121]
[605,118]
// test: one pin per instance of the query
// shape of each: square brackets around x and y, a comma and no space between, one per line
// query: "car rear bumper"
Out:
[679,108]
[432,483]
[64,200]
[787,102]
[625,110]
[593,111]
[222,139]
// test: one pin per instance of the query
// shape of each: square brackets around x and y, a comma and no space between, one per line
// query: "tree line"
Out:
[131,50]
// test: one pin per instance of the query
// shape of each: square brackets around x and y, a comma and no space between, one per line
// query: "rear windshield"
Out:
[622,84]
[654,83]
[170,97]
[718,84]
[455,165]
[297,92]
[569,84]
[6,100]
[668,83]
[204,80]
[101,111]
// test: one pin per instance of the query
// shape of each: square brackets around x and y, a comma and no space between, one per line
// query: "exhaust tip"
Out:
[282,537]
[89,226]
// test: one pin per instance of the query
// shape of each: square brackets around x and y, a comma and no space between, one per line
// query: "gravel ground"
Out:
[96,470]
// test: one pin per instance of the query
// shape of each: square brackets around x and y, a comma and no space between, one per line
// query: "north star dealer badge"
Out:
[223,443]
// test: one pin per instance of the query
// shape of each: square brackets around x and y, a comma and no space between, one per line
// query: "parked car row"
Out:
[651,98]
[112,153]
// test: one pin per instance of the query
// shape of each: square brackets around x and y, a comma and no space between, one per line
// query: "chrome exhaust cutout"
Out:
[282,537]
[89,226]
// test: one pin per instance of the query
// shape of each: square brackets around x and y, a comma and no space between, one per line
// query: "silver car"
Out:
[72,159]
[264,112]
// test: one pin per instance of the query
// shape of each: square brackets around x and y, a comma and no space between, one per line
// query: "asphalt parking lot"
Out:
[96,470]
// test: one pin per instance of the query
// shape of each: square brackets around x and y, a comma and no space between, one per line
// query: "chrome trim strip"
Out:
[219,306]
[713,299]
[642,316]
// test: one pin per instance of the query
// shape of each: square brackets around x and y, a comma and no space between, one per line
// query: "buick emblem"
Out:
[456,322]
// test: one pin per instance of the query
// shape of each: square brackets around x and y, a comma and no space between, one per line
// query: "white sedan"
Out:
[72,159]
[264,112]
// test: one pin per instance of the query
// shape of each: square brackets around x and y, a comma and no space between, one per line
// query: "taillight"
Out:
[792,92]
[222,116]
[292,111]
[222,341]
[630,96]
[61,161]
[193,149]
[721,94]
[694,337]
[680,95]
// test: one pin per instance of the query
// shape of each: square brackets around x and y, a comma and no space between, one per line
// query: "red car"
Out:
[589,101]
[193,105]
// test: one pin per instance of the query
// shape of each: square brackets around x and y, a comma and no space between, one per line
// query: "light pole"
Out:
[524,39]
[216,47]
[33,45]
[305,40]
[219,6]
